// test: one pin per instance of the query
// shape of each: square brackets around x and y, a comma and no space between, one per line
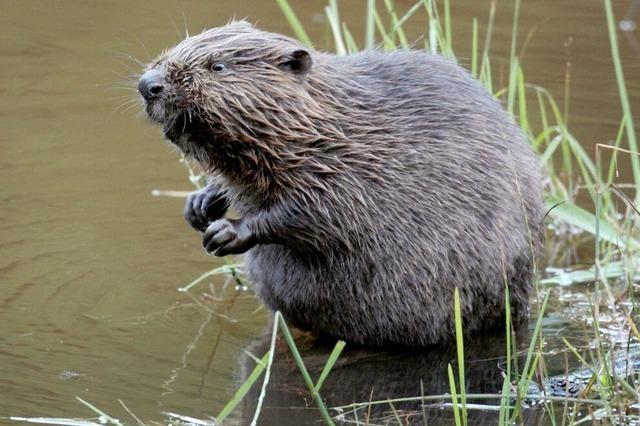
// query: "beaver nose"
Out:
[151,84]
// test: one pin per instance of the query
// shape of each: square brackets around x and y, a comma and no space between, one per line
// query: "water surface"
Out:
[90,261]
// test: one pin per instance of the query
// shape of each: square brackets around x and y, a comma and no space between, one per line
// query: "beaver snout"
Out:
[151,84]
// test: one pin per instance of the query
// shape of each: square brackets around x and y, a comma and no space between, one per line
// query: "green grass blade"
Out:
[582,219]
[333,357]
[546,155]
[224,269]
[530,362]
[387,42]
[437,37]
[512,87]
[412,10]
[350,42]
[334,22]
[577,355]
[543,114]
[303,369]
[485,75]
[522,104]
[624,96]
[514,65]
[395,413]
[99,412]
[395,24]
[267,375]
[369,37]
[608,271]
[527,370]
[294,22]
[58,421]
[514,41]
[506,386]
[454,396]
[447,25]
[460,351]
[614,156]
[503,418]
[474,48]
[242,391]
[487,40]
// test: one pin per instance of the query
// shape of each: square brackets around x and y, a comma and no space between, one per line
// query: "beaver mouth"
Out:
[177,126]
[184,124]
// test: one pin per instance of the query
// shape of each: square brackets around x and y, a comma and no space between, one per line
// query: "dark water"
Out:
[90,261]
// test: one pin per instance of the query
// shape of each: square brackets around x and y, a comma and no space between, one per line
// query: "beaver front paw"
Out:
[227,236]
[205,206]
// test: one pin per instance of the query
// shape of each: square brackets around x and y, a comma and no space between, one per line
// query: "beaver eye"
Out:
[218,66]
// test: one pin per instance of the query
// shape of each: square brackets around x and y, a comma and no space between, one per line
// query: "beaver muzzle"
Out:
[151,85]
[166,105]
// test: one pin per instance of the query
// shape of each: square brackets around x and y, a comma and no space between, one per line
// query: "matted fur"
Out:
[374,183]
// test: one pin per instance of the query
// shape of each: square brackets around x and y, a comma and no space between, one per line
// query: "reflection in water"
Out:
[167,385]
[222,320]
[361,376]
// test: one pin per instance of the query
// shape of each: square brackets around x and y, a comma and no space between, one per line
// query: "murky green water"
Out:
[90,261]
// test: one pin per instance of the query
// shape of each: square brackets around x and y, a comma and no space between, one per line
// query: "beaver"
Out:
[367,187]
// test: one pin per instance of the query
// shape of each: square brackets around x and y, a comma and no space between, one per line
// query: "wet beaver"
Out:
[367,186]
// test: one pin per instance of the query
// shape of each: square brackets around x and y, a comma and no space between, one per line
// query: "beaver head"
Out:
[232,89]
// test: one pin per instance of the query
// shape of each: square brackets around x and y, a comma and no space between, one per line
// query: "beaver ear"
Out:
[297,62]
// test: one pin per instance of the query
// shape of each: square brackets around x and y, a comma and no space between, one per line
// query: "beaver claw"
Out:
[204,206]
[227,236]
